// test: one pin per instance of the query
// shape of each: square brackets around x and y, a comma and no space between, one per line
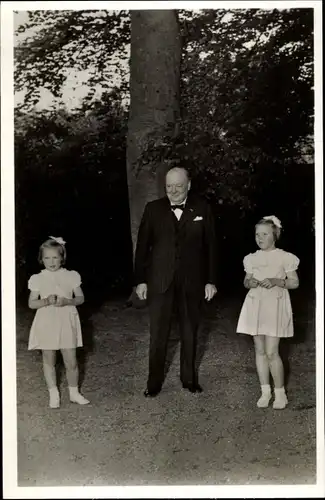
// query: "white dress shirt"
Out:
[178,212]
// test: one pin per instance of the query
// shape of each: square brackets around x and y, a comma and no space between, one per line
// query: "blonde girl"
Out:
[266,313]
[54,293]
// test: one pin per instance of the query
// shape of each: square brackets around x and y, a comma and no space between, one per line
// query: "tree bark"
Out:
[154,101]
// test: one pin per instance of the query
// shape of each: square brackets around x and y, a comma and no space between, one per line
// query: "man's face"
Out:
[177,185]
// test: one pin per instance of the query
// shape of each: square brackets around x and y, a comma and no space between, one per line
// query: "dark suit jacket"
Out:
[165,246]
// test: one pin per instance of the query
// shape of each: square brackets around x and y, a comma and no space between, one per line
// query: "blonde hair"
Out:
[267,222]
[52,244]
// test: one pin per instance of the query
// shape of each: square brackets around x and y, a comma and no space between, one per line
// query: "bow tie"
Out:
[180,207]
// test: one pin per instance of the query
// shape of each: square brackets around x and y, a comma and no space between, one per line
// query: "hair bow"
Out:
[58,240]
[274,219]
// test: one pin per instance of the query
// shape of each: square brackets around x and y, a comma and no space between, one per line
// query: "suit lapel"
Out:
[169,216]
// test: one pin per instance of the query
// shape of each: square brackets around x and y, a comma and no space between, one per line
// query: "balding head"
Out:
[177,184]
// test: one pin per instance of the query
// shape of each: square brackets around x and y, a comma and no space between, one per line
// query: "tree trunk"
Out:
[154,105]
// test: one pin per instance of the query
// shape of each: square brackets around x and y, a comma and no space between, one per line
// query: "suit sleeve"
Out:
[143,249]
[211,246]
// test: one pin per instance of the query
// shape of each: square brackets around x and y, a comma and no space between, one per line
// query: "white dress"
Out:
[268,311]
[55,327]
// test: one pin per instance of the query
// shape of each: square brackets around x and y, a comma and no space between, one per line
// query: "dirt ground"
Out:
[218,437]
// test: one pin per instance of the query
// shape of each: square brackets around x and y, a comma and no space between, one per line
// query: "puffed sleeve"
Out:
[248,266]
[291,262]
[34,283]
[75,279]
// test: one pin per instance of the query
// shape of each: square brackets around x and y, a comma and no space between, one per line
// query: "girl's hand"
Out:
[51,300]
[269,282]
[250,282]
[253,283]
[61,302]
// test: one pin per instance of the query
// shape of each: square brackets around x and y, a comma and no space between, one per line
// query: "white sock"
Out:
[281,400]
[76,397]
[54,397]
[73,391]
[264,400]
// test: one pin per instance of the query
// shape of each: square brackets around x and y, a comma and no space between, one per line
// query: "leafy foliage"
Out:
[247,98]
[56,42]
[71,181]
[247,116]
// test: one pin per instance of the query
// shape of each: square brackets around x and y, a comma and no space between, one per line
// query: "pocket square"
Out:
[198,217]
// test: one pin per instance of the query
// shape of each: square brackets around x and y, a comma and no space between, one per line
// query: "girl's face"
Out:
[51,259]
[264,237]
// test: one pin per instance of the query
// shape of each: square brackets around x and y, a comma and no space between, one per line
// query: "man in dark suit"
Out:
[175,265]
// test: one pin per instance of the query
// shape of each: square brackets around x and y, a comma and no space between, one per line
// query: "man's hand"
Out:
[210,291]
[142,291]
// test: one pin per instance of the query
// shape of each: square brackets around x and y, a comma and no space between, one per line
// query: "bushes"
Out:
[71,181]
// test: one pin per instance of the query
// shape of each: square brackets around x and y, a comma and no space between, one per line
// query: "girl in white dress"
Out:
[266,313]
[55,292]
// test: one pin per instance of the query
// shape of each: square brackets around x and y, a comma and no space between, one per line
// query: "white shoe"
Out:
[280,402]
[264,400]
[54,400]
[79,399]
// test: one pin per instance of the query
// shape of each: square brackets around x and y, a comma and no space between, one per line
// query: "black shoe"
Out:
[151,394]
[193,387]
